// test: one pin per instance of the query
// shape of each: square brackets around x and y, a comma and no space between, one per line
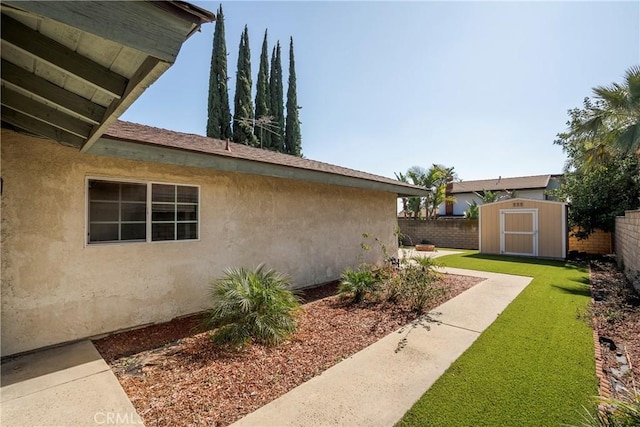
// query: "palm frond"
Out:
[628,141]
[632,77]
[251,304]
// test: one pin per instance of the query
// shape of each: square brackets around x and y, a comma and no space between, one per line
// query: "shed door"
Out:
[519,232]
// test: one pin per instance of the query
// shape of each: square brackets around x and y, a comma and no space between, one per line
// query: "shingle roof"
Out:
[149,135]
[501,184]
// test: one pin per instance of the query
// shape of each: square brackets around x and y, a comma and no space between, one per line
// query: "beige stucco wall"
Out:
[55,288]
[552,235]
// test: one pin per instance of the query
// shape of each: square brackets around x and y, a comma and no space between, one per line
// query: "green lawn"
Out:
[534,366]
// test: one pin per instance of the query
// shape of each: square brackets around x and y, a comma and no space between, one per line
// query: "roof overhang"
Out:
[71,68]
[140,151]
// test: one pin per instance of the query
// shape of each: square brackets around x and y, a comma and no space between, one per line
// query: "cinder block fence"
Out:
[627,243]
[598,243]
[444,233]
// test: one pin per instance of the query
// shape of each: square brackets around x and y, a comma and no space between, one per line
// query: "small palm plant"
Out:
[250,305]
[356,284]
[622,412]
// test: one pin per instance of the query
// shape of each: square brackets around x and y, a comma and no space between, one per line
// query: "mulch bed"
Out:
[616,309]
[176,376]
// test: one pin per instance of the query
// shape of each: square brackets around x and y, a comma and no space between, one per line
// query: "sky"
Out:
[383,86]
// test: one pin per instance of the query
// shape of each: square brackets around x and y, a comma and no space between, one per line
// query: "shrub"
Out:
[356,284]
[427,264]
[254,305]
[623,412]
[413,284]
[418,279]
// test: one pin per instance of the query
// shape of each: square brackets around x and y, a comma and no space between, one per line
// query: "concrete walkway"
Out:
[73,386]
[376,386]
[410,253]
[65,386]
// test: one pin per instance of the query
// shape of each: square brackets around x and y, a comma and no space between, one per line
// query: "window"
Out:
[174,212]
[117,212]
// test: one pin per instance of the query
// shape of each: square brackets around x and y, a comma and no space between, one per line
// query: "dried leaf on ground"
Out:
[616,308]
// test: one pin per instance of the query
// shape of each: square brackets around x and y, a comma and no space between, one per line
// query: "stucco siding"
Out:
[460,205]
[530,194]
[56,288]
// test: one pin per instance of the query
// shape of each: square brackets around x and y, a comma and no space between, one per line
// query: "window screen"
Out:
[174,212]
[117,211]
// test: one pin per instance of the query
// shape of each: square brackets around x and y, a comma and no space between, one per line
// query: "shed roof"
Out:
[501,184]
[141,142]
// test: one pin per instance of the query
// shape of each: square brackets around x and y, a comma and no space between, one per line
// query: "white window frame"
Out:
[148,214]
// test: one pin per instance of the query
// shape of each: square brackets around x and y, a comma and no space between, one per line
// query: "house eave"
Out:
[70,69]
[139,151]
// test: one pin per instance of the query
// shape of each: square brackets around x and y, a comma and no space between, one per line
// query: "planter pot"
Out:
[425,248]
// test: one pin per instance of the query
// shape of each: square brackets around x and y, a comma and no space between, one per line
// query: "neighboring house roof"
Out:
[71,68]
[501,184]
[141,142]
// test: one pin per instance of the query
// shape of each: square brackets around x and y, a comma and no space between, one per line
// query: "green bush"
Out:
[623,412]
[393,288]
[356,284]
[418,279]
[413,284]
[427,264]
[250,305]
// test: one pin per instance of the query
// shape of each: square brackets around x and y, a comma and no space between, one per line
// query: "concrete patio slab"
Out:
[65,386]
[378,385]
[410,253]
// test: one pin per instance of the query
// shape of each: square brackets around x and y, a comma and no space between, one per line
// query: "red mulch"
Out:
[176,378]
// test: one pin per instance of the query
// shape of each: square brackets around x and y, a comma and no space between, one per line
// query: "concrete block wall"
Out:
[598,243]
[627,245]
[444,233]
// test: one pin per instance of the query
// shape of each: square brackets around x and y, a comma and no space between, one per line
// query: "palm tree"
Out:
[488,196]
[610,124]
[251,305]
[417,175]
[405,200]
[439,176]
[435,180]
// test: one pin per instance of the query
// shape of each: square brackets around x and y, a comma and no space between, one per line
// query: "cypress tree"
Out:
[263,99]
[292,139]
[219,117]
[243,105]
[277,101]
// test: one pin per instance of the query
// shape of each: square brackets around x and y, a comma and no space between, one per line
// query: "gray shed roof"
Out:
[141,142]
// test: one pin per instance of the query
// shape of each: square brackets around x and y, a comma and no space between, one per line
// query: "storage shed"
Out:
[536,228]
